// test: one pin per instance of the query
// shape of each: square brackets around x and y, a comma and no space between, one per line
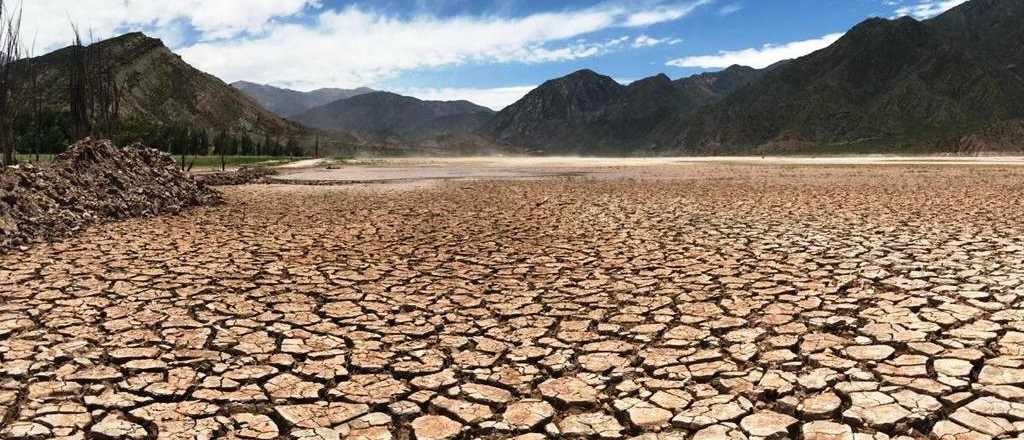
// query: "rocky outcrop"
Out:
[885,84]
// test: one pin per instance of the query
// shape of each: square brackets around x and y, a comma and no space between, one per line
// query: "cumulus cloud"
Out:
[647,41]
[493,98]
[354,46]
[48,20]
[306,44]
[928,8]
[757,57]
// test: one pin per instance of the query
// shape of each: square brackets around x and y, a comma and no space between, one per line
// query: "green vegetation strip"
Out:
[200,161]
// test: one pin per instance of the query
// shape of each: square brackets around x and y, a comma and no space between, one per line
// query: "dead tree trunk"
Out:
[106,95]
[35,101]
[93,90]
[79,95]
[10,52]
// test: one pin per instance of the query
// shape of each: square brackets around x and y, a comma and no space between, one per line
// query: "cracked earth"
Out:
[711,302]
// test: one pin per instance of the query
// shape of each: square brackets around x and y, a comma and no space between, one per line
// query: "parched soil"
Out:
[713,302]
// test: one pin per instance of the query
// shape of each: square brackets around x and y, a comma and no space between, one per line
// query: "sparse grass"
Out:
[43,158]
[200,161]
[233,161]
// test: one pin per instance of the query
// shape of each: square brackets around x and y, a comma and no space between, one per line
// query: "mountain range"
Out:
[389,116]
[886,82]
[586,112]
[951,83]
[287,103]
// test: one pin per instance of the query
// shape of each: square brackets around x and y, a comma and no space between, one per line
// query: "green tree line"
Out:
[48,132]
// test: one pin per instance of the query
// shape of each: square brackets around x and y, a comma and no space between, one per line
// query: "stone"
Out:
[768,424]
[256,426]
[592,424]
[996,375]
[289,387]
[486,393]
[435,428]
[953,367]
[713,410]
[826,430]
[569,391]
[466,412]
[116,427]
[869,352]
[820,405]
[528,414]
[324,415]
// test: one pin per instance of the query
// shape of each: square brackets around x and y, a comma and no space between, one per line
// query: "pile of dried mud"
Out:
[91,182]
[241,176]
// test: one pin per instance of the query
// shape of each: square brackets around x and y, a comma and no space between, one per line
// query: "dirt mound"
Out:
[91,182]
[241,176]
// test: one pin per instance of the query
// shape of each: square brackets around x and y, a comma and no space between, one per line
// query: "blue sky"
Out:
[491,52]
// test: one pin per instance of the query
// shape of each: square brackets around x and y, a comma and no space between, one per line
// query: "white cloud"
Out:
[662,14]
[577,50]
[928,8]
[305,44]
[757,57]
[494,98]
[730,9]
[48,20]
[173,34]
[354,47]
[647,41]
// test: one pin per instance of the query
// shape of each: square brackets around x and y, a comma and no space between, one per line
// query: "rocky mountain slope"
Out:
[388,115]
[586,112]
[886,82]
[157,86]
[991,28]
[951,83]
[287,103]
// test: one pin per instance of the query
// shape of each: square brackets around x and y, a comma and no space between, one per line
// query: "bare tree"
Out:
[79,96]
[35,101]
[10,52]
[106,94]
[93,91]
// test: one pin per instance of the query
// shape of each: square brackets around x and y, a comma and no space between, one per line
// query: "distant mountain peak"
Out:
[661,78]
[886,82]
[583,73]
[287,102]
[131,36]
[586,75]
[386,114]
